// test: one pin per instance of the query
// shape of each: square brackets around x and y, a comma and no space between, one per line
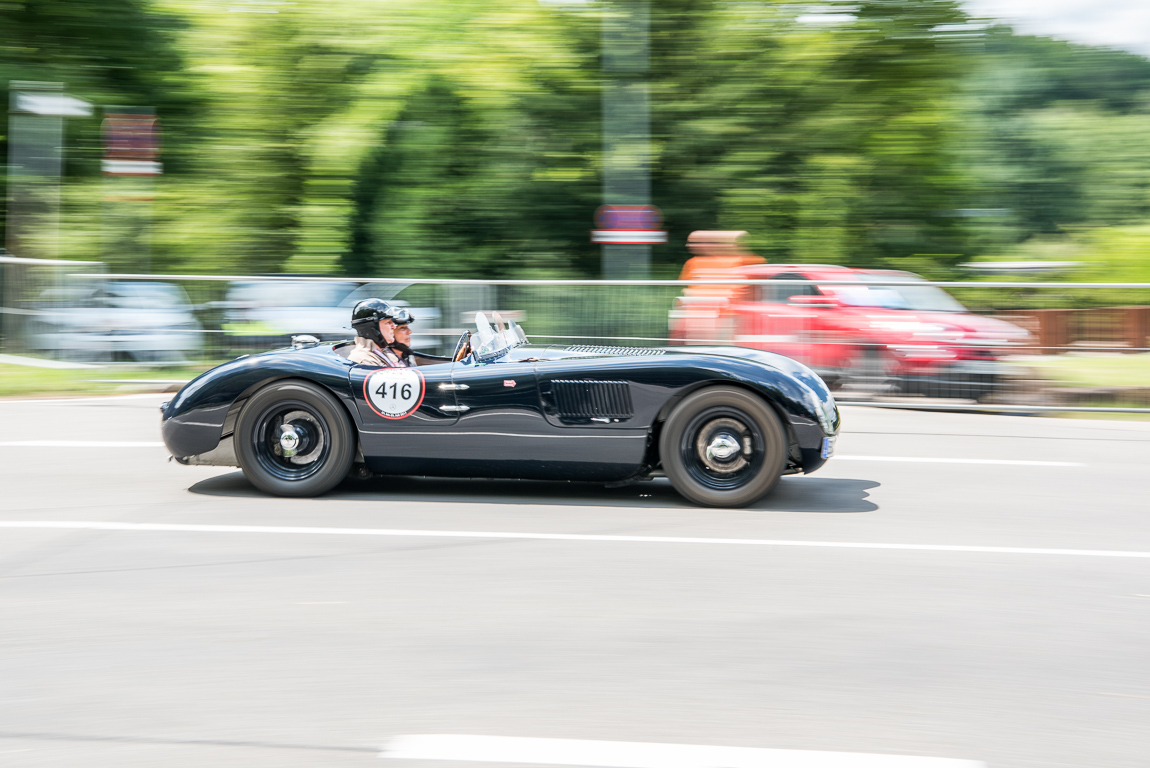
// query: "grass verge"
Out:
[27,381]
[1116,370]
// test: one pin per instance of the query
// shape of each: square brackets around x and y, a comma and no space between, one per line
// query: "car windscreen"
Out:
[922,298]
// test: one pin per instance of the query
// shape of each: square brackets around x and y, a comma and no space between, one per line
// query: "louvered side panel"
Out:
[593,399]
[593,349]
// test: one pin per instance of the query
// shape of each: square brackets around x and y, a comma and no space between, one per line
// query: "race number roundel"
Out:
[394,393]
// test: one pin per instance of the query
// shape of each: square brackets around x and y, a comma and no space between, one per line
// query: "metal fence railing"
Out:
[1008,346]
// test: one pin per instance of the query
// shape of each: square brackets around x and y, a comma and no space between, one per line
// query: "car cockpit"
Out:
[489,344]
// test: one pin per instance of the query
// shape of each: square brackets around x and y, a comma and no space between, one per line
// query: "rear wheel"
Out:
[723,447]
[294,439]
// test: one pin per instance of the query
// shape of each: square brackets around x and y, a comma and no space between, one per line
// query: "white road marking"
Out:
[631,754]
[93,525]
[79,444]
[96,399]
[924,460]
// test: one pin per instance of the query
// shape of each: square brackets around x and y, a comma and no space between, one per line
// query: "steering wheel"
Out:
[462,348]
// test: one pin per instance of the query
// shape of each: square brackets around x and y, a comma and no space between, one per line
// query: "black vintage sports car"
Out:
[721,423]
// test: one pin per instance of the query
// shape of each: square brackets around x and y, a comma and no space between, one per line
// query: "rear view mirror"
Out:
[815,302]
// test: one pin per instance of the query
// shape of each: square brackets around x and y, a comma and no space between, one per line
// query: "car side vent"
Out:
[590,349]
[593,399]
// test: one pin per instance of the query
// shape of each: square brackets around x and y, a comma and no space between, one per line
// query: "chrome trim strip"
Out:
[599,436]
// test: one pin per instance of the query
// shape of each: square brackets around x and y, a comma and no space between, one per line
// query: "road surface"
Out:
[958,586]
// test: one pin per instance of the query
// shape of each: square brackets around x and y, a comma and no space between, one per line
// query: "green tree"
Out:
[830,142]
[108,52]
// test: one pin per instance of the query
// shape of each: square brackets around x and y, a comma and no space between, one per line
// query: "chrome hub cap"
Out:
[289,439]
[722,447]
[305,435]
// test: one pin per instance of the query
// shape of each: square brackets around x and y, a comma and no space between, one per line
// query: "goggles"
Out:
[399,316]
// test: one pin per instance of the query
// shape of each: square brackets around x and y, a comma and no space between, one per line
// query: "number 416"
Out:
[404,391]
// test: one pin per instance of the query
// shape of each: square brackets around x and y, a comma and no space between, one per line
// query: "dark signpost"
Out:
[131,162]
[626,142]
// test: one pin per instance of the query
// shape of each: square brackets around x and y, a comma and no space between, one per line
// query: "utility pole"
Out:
[626,138]
[35,161]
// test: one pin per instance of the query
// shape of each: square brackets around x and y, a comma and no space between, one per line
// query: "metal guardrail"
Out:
[622,283]
[922,368]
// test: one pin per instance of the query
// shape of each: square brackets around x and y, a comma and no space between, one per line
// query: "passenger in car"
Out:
[375,333]
[401,345]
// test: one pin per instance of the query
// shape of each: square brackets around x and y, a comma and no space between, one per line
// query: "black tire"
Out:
[712,419]
[324,440]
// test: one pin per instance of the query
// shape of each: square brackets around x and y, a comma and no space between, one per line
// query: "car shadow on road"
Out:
[792,494]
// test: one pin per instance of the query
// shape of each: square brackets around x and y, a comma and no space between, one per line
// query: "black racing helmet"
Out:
[365,317]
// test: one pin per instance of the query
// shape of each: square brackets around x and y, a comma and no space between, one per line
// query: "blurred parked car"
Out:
[867,337]
[263,314]
[116,321]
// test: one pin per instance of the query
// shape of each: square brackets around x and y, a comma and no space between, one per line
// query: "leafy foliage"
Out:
[421,138]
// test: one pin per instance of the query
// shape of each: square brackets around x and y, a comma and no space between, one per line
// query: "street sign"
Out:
[628,225]
[131,145]
[51,105]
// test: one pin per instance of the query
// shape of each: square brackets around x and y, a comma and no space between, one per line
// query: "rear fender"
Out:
[206,409]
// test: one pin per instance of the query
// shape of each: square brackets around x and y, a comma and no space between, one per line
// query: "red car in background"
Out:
[867,336]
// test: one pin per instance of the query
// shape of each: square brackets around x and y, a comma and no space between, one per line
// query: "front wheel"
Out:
[294,439]
[723,447]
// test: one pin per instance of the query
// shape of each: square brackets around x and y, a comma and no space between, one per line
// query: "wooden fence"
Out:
[1102,328]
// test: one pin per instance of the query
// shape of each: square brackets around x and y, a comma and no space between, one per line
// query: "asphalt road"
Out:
[984,611]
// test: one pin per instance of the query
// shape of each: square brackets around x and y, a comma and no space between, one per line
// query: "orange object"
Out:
[716,251]
[701,313]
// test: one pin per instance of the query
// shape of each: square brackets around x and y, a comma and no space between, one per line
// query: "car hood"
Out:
[777,362]
[780,363]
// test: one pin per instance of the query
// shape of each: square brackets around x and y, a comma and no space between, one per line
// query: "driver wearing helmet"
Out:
[375,333]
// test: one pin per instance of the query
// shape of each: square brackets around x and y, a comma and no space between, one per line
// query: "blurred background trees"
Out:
[448,139]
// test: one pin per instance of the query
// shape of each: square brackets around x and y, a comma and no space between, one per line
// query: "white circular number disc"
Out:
[394,393]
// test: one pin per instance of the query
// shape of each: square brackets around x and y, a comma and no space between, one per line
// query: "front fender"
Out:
[796,391]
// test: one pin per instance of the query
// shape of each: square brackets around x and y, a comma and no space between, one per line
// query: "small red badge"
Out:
[509,382]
